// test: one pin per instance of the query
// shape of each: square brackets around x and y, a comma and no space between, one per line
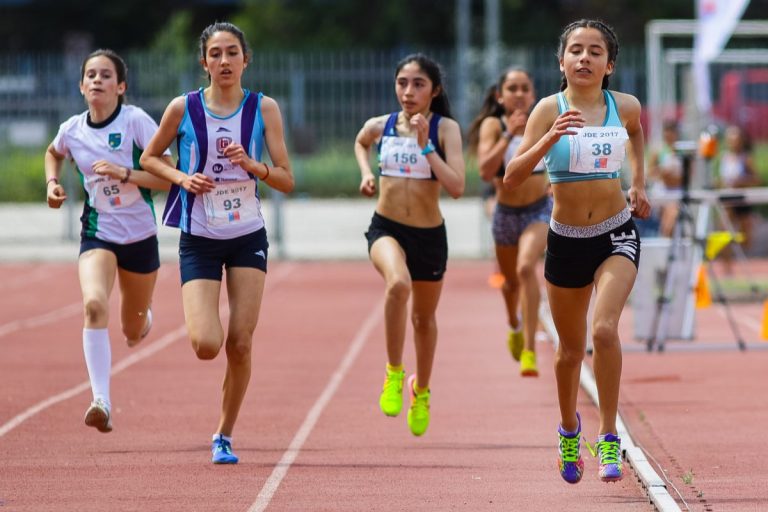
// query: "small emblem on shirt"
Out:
[114,140]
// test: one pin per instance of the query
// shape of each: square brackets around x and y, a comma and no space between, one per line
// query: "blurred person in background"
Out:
[419,153]
[521,215]
[737,170]
[665,169]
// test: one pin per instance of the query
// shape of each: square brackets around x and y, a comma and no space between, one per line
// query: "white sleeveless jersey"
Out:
[116,212]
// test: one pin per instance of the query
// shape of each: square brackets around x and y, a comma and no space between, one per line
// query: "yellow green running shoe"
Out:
[515,342]
[528,366]
[418,414]
[391,399]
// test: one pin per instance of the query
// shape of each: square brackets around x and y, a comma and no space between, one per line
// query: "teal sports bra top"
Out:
[558,158]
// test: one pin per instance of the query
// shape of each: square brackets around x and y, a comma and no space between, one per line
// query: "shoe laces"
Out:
[569,447]
[224,446]
[608,451]
[394,382]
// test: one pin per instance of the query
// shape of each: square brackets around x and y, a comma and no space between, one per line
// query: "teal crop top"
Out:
[557,159]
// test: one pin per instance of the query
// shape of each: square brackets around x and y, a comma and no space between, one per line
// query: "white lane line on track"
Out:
[45,318]
[652,482]
[289,456]
[37,321]
[145,352]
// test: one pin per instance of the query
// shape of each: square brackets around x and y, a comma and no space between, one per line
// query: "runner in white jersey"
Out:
[221,130]
[118,236]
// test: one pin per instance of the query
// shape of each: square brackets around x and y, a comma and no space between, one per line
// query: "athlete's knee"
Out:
[423,323]
[96,311]
[239,350]
[399,289]
[568,355]
[526,271]
[605,335]
[206,348]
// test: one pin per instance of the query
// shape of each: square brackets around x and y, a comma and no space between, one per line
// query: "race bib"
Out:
[401,157]
[231,202]
[597,149]
[108,194]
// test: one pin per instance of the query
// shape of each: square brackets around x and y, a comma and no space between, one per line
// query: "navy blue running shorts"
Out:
[142,257]
[204,258]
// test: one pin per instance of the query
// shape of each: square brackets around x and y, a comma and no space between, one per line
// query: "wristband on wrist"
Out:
[429,148]
[127,175]
[505,134]
[54,179]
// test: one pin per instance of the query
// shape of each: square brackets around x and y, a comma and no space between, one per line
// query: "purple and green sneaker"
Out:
[569,457]
[609,451]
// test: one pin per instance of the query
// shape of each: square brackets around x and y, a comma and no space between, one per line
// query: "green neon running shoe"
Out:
[515,342]
[418,414]
[391,399]
[528,366]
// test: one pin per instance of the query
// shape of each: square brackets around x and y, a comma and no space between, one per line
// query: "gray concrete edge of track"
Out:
[653,484]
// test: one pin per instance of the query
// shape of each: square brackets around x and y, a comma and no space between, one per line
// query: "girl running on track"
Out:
[119,233]
[419,151]
[221,132]
[583,133]
[522,214]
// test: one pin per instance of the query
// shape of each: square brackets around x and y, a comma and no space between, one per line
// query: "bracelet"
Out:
[127,175]
[54,179]
[505,134]
[266,175]
[429,148]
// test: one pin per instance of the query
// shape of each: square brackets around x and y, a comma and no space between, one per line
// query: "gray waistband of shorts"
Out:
[594,230]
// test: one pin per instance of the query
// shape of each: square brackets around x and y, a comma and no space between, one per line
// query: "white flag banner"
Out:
[716,21]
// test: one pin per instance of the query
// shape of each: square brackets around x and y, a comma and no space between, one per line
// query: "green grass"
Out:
[23,175]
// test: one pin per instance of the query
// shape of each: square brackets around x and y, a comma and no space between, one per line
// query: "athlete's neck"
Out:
[582,98]
[99,113]
[426,113]
[223,100]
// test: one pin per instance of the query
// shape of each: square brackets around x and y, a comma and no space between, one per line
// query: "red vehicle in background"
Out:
[743,101]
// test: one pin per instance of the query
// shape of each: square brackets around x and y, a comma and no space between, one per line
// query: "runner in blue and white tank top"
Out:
[583,133]
[118,235]
[221,131]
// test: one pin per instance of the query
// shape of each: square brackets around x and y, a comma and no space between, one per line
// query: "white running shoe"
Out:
[98,416]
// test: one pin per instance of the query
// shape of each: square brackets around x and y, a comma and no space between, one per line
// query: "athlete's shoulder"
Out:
[628,105]
[73,122]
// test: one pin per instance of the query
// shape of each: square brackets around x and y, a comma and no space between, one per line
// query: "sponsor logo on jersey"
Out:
[222,143]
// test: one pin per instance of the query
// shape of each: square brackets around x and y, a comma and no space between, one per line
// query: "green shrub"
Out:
[23,175]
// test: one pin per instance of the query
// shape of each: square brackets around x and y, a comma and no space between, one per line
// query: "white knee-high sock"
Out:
[98,359]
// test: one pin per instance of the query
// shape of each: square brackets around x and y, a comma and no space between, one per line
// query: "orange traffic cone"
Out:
[764,328]
[703,297]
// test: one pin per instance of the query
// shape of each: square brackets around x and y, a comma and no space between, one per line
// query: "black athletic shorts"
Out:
[426,249]
[575,252]
[142,257]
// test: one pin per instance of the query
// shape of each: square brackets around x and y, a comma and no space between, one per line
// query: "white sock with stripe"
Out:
[98,359]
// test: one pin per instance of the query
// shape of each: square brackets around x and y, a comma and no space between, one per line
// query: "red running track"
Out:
[310,435]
